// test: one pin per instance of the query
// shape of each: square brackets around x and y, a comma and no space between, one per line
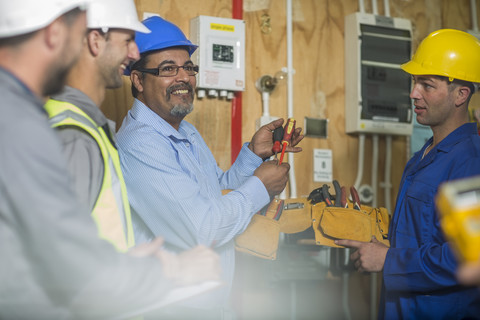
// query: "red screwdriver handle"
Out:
[287,136]
[277,138]
[288,131]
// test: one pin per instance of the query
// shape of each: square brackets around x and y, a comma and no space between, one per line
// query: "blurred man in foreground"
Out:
[53,264]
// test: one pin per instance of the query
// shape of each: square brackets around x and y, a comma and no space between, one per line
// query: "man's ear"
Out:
[96,42]
[462,95]
[55,33]
[137,80]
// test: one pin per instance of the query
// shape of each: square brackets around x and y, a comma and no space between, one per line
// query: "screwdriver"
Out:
[287,136]
[277,138]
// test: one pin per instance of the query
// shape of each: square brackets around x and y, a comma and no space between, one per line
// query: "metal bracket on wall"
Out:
[316,127]
[265,25]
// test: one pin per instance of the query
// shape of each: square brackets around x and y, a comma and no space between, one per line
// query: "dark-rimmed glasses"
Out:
[171,70]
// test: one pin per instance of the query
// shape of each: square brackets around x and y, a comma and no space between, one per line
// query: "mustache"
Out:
[186,86]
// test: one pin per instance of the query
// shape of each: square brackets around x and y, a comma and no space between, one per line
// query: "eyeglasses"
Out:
[171,70]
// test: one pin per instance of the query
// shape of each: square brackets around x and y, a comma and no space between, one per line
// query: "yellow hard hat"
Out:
[447,52]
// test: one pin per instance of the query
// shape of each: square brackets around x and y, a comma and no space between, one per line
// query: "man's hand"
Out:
[192,266]
[262,141]
[147,249]
[189,267]
[369,256]
[273,176]
[468,273]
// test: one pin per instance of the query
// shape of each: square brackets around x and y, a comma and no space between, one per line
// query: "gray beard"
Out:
[181,110]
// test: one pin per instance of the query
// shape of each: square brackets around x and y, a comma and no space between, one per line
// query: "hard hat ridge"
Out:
[164,35]
[122,14]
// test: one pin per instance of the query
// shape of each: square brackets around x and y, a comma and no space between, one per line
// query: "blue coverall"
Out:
[419,272]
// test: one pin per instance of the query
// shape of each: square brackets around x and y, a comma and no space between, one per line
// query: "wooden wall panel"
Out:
[210,116]
[318,59]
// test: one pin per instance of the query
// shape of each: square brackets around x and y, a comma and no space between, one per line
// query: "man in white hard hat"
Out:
[87,135]
[419,280]
[53,266]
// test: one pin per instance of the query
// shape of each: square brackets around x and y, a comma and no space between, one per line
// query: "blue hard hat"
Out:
[164,35]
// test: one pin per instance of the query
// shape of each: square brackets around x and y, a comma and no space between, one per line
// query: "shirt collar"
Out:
[22,86]
[83,102]
[145,115]
[459,134]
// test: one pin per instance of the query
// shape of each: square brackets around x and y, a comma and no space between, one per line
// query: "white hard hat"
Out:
[19,17]
[114,14]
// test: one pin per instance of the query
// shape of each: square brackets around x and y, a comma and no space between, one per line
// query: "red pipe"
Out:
[236,129]
[236,146]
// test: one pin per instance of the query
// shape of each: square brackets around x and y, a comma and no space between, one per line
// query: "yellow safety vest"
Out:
[111,212]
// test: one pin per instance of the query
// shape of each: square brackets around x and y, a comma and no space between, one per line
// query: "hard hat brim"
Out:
[12,22]
[414,68]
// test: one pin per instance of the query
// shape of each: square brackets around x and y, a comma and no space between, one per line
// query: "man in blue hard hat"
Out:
[173,181]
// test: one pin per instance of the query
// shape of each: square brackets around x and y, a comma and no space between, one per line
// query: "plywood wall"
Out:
[318,38]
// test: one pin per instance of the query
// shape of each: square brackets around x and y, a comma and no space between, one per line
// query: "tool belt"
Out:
[262,234]
[329,224]
[332,223]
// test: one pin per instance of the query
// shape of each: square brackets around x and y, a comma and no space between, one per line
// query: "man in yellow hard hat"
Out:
[53,265]
[419,279]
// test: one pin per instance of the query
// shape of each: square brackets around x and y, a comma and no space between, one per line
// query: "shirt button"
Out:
[187,144]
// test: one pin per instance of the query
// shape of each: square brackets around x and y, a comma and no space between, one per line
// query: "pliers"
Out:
[328,197]
[338,193]
[316,196]
[355,198]
[323,195]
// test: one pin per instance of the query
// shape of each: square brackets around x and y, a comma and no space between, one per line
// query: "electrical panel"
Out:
[220,55]
[376,89]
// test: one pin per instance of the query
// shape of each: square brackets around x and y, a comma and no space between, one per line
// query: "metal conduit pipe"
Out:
[290,71]
[386,5]
[361,159]
[473,11]
[388,173]
[374,7]
[373,275]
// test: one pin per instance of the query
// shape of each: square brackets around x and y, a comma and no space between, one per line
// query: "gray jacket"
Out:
[53,266]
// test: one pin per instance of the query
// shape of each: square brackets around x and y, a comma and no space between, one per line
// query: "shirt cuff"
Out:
[255,191]
[248,161]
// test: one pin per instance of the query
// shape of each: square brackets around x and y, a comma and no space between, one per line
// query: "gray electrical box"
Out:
[376,89]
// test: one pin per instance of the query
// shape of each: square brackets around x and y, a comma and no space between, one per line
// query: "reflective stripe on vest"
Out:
[111,211]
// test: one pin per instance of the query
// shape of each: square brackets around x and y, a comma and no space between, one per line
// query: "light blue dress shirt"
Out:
[175,190]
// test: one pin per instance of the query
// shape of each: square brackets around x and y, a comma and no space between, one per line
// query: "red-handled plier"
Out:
[355,198]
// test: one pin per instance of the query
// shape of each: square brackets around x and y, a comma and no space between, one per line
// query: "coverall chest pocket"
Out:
[418,222]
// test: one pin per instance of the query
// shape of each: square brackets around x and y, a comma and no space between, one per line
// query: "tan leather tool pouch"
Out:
[296,216]
[332,223]
[260,238]
[262,234]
